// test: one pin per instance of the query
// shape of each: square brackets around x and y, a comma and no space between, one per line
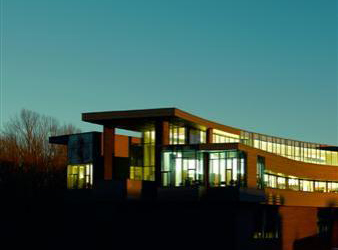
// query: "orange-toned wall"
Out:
[121,147]
[297,223]
[279,164]
[298,198]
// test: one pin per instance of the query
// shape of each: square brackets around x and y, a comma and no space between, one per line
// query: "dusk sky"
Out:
[266,66]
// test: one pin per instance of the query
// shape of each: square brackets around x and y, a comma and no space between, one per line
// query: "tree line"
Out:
[26,154]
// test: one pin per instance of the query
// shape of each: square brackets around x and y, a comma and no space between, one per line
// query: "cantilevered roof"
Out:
[144,119]
[139,120]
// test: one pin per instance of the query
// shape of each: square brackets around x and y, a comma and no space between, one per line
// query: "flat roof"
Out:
[141,119]
[144,119]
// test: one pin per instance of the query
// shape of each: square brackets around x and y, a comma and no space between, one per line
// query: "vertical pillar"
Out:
[161,139]
[209,135]
[251,170]
[206,169]
[187,135]
[108,152]
[206,162]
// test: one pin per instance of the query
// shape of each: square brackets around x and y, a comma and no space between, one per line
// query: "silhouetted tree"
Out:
[24,145]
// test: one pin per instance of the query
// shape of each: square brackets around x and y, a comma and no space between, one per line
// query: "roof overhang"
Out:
[143,119]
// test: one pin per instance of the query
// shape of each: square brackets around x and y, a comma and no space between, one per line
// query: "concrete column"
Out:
[251,170]
[206,169]
[108,152]
[161,139]
[209,135]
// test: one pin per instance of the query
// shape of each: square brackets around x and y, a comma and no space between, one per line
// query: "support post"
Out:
[206,169]
[161,139]
[108,152]
[209,135]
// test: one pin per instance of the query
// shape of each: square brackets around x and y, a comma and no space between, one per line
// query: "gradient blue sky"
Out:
[265,65]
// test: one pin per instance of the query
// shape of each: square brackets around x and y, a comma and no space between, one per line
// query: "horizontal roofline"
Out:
[101,117]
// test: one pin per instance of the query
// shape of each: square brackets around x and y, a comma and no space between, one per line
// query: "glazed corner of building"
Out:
[177,153]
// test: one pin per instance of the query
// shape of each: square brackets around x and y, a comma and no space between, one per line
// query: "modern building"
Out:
[283,192]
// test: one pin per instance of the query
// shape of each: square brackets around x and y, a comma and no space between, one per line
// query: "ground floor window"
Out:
[182,168]
[187,168]
[145,173]
[226,168]
[80,176]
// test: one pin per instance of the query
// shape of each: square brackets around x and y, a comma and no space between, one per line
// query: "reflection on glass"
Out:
[296,150]
[281,182]
[306,185]
[227,168]
[293,184]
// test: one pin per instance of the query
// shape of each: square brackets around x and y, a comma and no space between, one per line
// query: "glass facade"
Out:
[295,150]
[260,171]
[182,168]
[142,165]
[197,136]
[186,168]
[219,136]
[226,168]
[177,134]
[272,180]
[80,176]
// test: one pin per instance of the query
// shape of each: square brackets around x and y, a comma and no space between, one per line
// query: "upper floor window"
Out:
[197,136]
[224,137]
[177,135]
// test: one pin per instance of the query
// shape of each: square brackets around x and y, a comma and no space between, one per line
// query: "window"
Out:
[332,187]
[177,135]
[196,136]
[80,176]
[306,185]
[142,158]
[271,181]
[220,136]
[182,168]
[281,182]
[227,168]
[293,184]
[260,171]
[320,186]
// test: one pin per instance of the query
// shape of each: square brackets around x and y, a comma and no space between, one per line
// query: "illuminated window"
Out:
[183,168]
[256,143]
[300,151]
[227,168]
[281,182]
[320,186]
[335,158]
[293,184]
[220,136]
[80,176]
[142,158]
[176,135]
[332,187]
[260,171]
[272,181]
[306,185]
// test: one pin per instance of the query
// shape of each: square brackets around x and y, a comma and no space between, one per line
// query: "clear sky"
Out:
[268,66]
